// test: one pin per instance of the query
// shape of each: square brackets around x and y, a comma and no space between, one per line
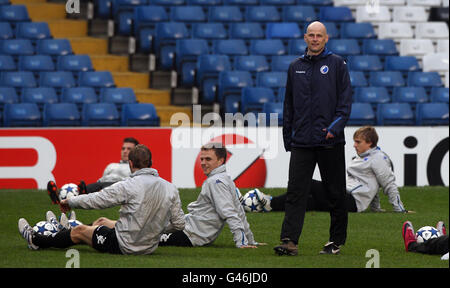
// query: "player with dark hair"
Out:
[113,172]
[369,170]
[435,246]
[147,202]
[217,204]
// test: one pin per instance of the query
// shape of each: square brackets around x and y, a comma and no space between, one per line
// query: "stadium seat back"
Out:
[401,63]
[336,14]
[6,32]
[139,114]
[267,47]
[21,114]
[282,62]
[14,13]
[57,79]
[187,14]
[271,79]
[79,96]
[7,63]
[395,114]
[274,113]
[262,14]
[231,47]
[39,95]
[18,79]
[411,95]
[299,14]
[75,63]
[209,31]
[251,63]
[432,114]
[33,30]
[232,82]
[253,98]
[54,47]
[96,79]
[36,63]
[381,47]
[365,63]
[439,94]
[8,95]
[16,47]
[362,114]
[283,30]
[372,95]
[246,30]
[118,96]
[61,114]
[386,78]
[344,47]
[424,79]
[225,14]
[358,79]
[100,114]
[358,31]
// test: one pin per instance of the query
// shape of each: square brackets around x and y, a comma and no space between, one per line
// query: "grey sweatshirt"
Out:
[368,172]
[216,205]
[116,172]
[148,204]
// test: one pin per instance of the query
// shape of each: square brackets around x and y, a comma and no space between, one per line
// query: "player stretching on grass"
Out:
[367,172]
[147,201]
[217,204]
[437,245]
[113,172]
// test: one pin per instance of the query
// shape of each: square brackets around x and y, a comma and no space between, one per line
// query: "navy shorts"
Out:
[104,239]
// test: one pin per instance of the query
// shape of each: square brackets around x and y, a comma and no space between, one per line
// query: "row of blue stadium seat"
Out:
[26,30]
[78,95]
[52,47]
[68,114]
[395,79]
[42,62]
[57,79]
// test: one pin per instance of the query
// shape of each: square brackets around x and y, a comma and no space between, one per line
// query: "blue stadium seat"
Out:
[14,14]
[18,79]
[187,52]
[6,32]
[267,47]
[33,30]
[240,3]
[246,30]
[315,2]
[118,96]
[208,69]
[57,80]
[204,3]
[432,114]
[75,63]
[395,114]
[282,62]
[332,29]
[358,79]
[21,114]
[251,63]
[54,47]
[299,14]
[36,63]
[280,94]
[139,114]
[439,94]
[230,47]
[277,2]
[362,114]
[365,63]
[272,79]
[209,31]
[358,30]
[380,47]
[7,63]
[401,63]
[103,9]
[100,114]
[8,95]
[283,30]
[344,47]
[16,47]
[277,109]
[166,35]
[386,78]
[253,98]
[39,95]
[336,14]
[96,79]
[61,114]
[262,14]
[424,79]
[231,83]
[225,14]
[372,95]
[296,46]
[411,95]
[79,96]
[187,14]
[145,19]
[167,3]
[123,15]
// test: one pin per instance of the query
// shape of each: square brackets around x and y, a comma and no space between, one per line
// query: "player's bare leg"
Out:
[103,221]
[82,234]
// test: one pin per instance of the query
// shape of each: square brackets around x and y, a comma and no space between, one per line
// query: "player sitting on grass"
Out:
[217,204]
[113,172]
[436,246]
[147,201]
[369,170]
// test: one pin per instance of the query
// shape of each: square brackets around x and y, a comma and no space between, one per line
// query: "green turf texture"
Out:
[380,231]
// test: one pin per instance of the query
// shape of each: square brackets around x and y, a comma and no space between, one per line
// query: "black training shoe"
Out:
[82,188]
[286,248]
[53,192]
[330,248]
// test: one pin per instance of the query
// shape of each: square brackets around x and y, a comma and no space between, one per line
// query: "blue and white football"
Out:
[426,233]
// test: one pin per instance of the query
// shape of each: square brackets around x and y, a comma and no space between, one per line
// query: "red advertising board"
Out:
[73,154]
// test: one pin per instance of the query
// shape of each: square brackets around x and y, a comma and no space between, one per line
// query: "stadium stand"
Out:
[226,50]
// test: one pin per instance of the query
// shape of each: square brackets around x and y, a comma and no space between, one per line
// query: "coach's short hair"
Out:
[368,134]
[131,140]
[219,150]
[141,156]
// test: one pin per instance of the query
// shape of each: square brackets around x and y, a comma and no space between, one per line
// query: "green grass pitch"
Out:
[380,231]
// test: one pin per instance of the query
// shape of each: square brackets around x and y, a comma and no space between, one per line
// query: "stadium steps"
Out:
[77,31]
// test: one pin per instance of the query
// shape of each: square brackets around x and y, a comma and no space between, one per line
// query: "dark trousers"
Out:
[97,186]
[433,246]
[331,162]
[317,200]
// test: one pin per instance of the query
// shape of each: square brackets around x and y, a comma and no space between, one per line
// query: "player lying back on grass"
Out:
[147,202]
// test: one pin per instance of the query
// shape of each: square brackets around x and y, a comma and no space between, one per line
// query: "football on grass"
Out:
[251,203]
[426,233]
[68,191]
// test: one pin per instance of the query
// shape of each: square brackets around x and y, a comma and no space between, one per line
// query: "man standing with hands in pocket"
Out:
[316,109]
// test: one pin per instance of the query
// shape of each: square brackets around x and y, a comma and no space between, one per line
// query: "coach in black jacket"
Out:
[316,109]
